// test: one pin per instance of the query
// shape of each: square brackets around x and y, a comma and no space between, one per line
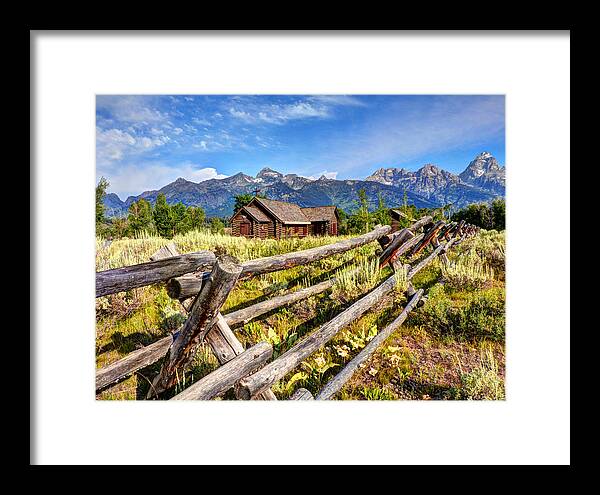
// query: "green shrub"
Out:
[467,272]
[483,383]
[479,315]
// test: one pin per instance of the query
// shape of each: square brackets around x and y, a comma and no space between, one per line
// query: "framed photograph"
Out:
[339,238]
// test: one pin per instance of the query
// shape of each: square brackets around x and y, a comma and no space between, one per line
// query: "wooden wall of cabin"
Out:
[332,227]
[235,225]
[286,231]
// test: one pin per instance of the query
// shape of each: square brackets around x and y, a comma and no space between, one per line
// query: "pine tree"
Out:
[100,194]
[178,214]
[242,200]
[140,216]
[216,225]
[194,218]
[364,209]
[163,217]
[382,214]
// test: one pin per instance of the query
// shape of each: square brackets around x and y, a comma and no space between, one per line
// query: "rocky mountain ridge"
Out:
[430,186]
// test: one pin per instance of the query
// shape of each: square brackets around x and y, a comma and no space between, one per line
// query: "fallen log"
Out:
[225,377]
[337,382]
[191,284]
[151,272]
[202,317]
[301,394]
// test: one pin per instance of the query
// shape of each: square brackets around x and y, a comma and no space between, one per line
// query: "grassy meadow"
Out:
[450,348]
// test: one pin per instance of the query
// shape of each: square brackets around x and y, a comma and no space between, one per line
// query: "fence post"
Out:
[202,316]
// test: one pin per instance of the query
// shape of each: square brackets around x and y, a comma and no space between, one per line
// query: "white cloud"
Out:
[339,100]
[135,109]
[301,110]
[279,114]
[203,122]
[115,144]
[133,179]
[240,114]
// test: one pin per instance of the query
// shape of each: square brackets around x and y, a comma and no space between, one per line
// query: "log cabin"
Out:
[267,218]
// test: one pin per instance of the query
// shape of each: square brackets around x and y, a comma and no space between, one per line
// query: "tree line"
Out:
[169,220]
[489,216]
[362,219]
[161,219]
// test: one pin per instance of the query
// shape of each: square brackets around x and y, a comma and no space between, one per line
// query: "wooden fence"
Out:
[202,282]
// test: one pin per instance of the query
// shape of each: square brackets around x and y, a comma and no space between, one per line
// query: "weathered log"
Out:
[384,241]
[442,248]
[150,354]
[226,347]
[134,361]
[442,233]
[405,248]
[290,359]
[223,342]
[403,236]
[185,286]
[337,382]
[263,379]
[270,264]
[422,222]
[302,394]
[225,377]
[131,277]
[144,357]
[166,251]
[246,314]
[202,317]
[414,228]
[443,256]
[430,234]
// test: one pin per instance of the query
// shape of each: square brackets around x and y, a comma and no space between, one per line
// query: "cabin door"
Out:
[245,228]
[319,228]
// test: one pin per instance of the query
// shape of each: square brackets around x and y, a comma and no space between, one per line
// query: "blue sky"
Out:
[144,142]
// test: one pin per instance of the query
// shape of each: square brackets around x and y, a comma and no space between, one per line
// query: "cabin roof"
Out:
[256,213]
[319,213]
[284,212]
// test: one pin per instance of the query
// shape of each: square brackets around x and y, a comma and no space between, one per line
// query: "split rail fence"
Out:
[201,281]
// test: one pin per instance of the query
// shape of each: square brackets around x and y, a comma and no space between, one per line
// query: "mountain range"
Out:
[428,187]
